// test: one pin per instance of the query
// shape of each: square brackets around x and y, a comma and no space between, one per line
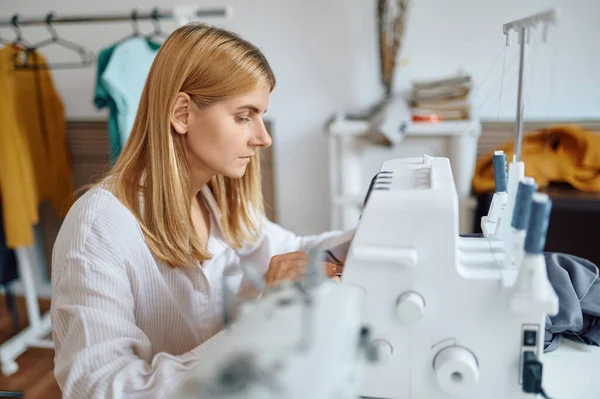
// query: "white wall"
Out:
[325,58]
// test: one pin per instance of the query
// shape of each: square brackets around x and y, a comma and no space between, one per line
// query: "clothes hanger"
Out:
[158,32]
[19,40]
[86,57]
[21,56]
[134,23]
[136,30]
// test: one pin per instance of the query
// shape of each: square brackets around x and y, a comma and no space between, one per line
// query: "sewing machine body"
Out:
[281,346]
[444,321]
[443,316]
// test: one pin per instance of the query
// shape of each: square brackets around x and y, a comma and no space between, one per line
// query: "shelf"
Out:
[353,128]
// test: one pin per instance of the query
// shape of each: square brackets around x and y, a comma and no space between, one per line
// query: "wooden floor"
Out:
[34,378]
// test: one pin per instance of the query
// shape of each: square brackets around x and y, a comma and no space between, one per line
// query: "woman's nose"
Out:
[262,137]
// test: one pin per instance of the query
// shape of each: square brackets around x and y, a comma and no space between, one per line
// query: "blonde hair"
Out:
[151,176]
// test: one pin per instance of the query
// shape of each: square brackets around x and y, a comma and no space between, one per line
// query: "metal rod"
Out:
[520,103]
[75,19]
[522,26]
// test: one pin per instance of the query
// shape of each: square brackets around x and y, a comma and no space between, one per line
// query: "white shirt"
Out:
[124,324]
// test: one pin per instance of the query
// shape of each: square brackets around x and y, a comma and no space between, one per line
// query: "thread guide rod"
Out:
[522,26]
[520,104]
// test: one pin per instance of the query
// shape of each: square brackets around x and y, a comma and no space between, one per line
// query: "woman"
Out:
[139,263]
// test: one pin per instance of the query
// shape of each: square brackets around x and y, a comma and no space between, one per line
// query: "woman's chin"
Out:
[237,173]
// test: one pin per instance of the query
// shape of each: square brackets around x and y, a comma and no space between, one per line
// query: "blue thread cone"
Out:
[500,171]
[522,210]
[539,218]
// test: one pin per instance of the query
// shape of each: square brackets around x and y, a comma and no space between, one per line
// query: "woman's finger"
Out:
[297,255]
[295,275]
[331,269]
[288,267]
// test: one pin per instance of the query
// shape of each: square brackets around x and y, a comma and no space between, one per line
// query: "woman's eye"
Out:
[242,119]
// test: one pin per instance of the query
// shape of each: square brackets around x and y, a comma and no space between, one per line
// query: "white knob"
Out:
[410,307]
[456,370]
[384,350]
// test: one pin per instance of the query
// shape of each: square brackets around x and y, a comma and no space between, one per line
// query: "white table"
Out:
[572,371]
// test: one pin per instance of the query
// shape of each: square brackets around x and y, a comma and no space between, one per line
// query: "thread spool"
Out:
[522,210]
[539,218]
[500,171]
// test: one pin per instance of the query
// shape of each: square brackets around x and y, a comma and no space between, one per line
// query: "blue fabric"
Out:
[8,273]
[577,285]
[124,78]
[40,254]
[8,259]
[103,99]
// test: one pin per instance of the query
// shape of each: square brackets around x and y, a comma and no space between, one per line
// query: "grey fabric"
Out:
[577,285]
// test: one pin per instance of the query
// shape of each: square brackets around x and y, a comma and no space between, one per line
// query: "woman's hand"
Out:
[333,271]
[292,266]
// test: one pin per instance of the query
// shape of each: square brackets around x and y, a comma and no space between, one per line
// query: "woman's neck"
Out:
[200,178]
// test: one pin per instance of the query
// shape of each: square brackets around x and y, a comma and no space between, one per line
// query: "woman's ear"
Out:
[180,114]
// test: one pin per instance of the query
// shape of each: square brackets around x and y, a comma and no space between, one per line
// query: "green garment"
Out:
[102,99]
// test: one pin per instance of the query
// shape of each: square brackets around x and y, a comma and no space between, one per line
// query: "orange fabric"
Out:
[18,188]
[561,154]
[62,190]
[34,163]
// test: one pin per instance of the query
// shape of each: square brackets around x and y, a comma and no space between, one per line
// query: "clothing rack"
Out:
[134,15]
[36,335]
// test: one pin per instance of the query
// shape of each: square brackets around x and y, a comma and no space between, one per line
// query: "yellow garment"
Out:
[561,154]
[34,161]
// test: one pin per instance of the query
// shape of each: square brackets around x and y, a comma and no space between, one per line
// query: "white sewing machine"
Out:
[440,319]
[445,320]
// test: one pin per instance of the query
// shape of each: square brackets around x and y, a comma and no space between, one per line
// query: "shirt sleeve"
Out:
[100,352]
[113,77]
[101,94]
[275,240]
